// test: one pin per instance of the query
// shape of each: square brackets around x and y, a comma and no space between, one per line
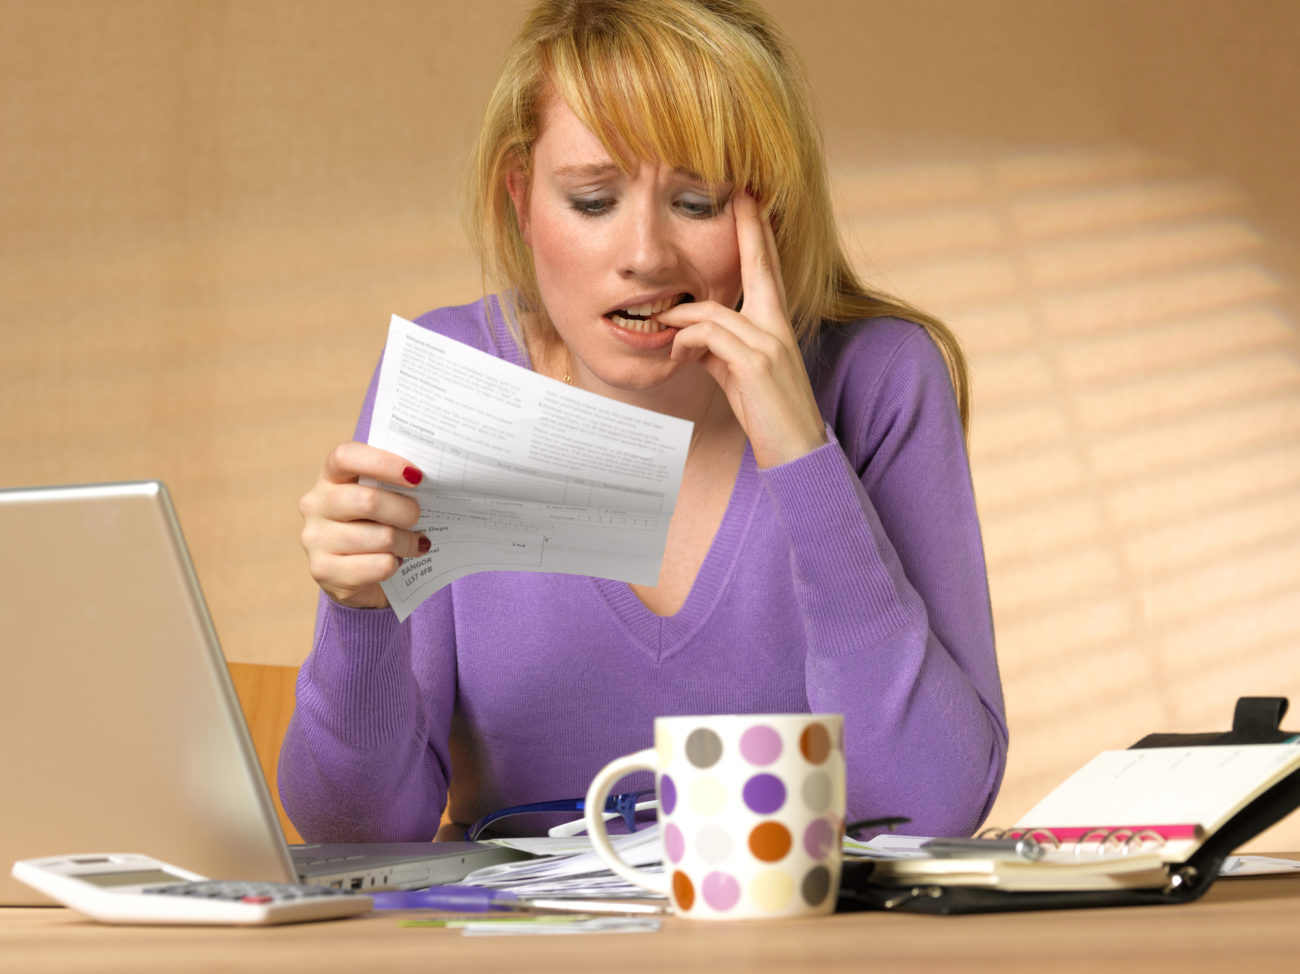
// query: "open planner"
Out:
[1150,824]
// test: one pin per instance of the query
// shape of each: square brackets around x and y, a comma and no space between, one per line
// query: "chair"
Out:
[266,694]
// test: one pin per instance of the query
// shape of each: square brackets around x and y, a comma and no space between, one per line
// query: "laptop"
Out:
[119,728]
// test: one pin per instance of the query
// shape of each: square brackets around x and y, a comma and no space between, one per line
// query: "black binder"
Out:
[1257,720]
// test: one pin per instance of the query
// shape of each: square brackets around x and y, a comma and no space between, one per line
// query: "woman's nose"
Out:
[646,245]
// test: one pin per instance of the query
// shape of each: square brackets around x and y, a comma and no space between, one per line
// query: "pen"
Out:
[480,899]
[1020,848]
[460,899]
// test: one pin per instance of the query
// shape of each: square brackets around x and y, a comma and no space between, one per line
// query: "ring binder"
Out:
[1189,857]
[1101,841]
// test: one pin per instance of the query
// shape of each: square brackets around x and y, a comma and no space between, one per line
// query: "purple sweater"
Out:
[848,581]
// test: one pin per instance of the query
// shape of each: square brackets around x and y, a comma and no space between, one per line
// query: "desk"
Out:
[1250,924]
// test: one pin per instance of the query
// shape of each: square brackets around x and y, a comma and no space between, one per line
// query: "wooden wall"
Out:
[210,208]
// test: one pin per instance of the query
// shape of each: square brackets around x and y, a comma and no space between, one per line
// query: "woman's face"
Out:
[611,249]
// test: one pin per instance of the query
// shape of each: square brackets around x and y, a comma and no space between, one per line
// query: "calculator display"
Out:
[136,878]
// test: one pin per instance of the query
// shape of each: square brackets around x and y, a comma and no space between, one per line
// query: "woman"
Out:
[654,216]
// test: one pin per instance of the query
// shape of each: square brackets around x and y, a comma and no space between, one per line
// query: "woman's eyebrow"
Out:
[601,170]
[587,169]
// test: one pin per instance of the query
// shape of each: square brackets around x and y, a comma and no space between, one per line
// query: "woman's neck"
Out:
[690,393]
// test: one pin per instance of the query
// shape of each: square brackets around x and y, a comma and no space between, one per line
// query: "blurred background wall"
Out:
[210,208]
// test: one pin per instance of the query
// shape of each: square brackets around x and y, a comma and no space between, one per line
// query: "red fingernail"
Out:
[412,475]
[424,544]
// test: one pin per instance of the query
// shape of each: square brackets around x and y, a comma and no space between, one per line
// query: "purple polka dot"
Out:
[760,745]
[674,842]
[764,793]
[720,891]
[819,838]
[667,794]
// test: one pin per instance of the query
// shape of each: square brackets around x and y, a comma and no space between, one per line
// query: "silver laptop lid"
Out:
[121,731]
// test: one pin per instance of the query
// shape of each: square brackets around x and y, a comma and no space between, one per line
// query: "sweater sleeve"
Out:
[891,583]
[365,758]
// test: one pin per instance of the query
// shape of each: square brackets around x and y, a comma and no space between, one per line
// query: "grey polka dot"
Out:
[817,791]
[703,748]
[816,885]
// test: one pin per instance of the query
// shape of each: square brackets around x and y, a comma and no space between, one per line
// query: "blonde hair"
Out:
[711,86]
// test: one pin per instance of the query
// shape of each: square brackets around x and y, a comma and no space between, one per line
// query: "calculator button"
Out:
[256,899]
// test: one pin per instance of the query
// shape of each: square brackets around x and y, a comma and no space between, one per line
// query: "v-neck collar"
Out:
[661,637]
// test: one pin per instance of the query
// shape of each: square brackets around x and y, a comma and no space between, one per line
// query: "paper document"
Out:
[571,867]
[521,473]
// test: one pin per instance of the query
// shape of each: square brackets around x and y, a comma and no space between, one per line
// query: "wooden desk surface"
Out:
[1251,924]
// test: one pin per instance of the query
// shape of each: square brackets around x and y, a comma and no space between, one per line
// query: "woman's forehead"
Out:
[571,144]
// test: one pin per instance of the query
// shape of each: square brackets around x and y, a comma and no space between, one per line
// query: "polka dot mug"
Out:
[751,814]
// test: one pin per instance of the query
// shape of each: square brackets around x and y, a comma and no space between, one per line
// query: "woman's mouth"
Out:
[640,317]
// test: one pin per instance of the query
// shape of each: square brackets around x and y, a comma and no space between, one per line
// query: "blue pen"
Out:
[479,899]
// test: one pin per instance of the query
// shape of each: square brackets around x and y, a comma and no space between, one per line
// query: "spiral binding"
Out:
[1099,842]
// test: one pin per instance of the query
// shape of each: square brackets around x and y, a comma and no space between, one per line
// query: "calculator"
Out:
[133,888]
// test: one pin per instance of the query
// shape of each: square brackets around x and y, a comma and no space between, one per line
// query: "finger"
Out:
[689,319]
[760,265]
[343,576]
[746,350]
[328,501]
[367,537]
[349,461]
[362,502]
[774,256]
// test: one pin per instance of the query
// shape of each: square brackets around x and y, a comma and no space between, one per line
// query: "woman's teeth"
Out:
[647,325]
[638,317]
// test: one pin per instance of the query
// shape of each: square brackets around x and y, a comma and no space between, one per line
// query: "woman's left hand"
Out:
[751,352]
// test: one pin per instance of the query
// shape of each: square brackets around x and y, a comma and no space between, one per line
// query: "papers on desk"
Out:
[1258,866]
[569,868]
[521,473]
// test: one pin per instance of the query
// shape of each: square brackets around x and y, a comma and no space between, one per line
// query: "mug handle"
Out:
[646,760]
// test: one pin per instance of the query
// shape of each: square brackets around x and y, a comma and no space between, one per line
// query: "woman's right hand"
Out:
[356,535]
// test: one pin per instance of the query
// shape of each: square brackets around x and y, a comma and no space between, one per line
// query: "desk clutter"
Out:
[1153,824]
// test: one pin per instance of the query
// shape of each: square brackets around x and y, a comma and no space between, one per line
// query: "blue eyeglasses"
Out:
[625,806]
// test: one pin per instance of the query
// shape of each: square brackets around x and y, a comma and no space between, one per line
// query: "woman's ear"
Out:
[517,186]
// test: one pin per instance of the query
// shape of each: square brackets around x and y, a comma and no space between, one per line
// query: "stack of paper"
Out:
[570,868]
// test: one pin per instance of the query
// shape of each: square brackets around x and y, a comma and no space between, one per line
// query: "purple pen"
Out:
[459,899]
[478,899]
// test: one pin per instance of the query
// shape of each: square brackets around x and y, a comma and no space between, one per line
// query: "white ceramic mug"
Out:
[751,814]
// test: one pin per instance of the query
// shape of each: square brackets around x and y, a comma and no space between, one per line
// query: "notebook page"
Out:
[1163,786]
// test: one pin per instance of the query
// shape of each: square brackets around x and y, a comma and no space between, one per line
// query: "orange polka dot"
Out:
[683,891]
[770,841]
[815,743]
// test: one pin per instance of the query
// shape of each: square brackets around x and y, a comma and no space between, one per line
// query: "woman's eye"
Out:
[591,207]
[700,209]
